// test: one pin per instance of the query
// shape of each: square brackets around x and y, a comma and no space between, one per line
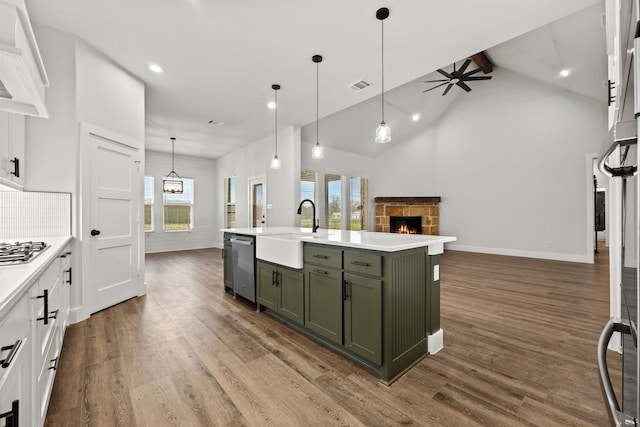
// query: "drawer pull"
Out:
[360,263]
[55,364]
[70,276]
[14,349]
[12,418]
[54,314]
[321,256]
[45,318]
[320,272]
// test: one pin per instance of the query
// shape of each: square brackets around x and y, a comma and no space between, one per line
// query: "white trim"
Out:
[435,342]
[526,254]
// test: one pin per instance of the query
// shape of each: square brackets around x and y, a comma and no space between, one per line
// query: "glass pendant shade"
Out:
[172,183]
[383,133]
[318,151]
[275,162]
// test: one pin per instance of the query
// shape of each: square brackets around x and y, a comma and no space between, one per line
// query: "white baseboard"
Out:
[525,254]
[435,342]
[77,315]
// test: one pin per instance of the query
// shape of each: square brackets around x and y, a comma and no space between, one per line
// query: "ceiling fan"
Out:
[457,77]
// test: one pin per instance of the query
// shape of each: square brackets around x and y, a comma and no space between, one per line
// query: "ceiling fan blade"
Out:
[470,79]
[470,73]
[435,87]
[464,66]
[464,86]
[444,73]
[435,81]
[447,89]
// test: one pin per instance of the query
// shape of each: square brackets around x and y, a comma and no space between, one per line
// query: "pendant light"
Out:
[275,162]
[383,132]
[172,184]
[318,151]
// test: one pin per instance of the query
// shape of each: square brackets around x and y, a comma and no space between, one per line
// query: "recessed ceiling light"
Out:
[155,68]
[271,105]
[564,73]
[415,117]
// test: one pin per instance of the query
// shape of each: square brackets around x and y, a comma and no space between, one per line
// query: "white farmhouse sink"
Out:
[283,249]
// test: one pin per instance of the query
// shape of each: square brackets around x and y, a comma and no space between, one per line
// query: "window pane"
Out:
[178,208]
[148,203]
[307,191]
[333,202]
[230,191]
[177,217]
[359,195]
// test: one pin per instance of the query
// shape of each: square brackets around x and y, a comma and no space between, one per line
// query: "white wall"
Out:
[253,160]
[202,171]
[509,162]
[84,86]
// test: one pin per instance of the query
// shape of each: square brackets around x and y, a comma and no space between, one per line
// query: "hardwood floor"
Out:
[520,349]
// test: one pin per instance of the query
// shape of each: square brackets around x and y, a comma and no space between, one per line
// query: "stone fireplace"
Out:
[401,214]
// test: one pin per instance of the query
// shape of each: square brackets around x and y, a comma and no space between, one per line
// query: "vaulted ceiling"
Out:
[220,58]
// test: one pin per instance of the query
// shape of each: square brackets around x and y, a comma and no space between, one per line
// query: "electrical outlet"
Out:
[436,272]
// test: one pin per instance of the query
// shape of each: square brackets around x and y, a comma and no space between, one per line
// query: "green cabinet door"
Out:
[266,286]
[363,316]
[323,302]
[291,293]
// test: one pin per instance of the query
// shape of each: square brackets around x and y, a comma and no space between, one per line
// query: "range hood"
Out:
[22,73]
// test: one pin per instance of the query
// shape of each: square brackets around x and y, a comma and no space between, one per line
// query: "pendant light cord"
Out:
[276,122]
[382,21]
[317,103]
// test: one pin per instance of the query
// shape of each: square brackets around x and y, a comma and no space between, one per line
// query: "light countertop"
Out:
[15,279]
[371,240]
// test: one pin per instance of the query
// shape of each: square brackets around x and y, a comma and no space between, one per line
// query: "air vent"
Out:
[359,85]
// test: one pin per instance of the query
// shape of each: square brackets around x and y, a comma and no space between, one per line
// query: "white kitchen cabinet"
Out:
[15,365]
[12,149]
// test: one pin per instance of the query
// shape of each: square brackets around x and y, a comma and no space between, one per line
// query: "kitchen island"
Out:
[373,297]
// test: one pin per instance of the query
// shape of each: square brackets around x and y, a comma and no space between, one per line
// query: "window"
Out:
[307,191]
[148,203]
[178,208]
[333,201]
[358,199]
[230,202]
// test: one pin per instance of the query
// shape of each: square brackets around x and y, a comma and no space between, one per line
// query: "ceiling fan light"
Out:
[383,133]
[317,152]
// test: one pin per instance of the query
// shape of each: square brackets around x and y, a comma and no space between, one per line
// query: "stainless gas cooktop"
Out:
[20,252]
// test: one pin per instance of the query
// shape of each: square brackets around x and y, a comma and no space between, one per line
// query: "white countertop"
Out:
[386,242]
[15,279]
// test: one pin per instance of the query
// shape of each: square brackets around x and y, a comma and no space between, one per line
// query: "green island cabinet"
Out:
[377,308]
[281,289]
[227,263]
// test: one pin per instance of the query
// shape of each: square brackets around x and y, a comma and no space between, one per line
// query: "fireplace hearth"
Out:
[425,208]
[405,224]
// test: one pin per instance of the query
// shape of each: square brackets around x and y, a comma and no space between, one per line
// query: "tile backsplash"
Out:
[34,214]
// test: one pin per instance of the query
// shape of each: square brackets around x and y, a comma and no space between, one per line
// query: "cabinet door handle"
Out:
[16,167]
[321,256]
[14,349]
[360,263]
[70,276]
[55,364]
[54,314]
[12,418]
[320,272]
[278,281]
[45,318]
[346,284]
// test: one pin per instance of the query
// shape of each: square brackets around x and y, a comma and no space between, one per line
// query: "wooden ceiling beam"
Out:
[482,62]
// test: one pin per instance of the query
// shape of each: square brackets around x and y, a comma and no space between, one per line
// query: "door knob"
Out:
[95,232]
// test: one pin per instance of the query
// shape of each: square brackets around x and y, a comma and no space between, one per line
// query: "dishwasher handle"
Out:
[242,242]
[616,417]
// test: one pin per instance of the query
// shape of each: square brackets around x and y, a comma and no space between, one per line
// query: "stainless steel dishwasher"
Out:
[243,254]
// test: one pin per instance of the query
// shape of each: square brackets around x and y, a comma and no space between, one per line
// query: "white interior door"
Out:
[257,202]
[110,267]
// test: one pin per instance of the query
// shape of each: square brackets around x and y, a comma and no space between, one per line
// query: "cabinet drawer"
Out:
[321,256]
[14,330]
[363,263]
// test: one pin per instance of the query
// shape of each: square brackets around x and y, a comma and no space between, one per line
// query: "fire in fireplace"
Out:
[405,224]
